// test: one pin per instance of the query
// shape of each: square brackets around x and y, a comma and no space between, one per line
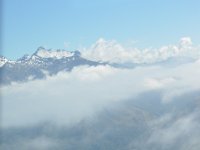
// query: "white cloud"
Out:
[185,41]
[111,51]
[155,83]
[114,52]
[187,80]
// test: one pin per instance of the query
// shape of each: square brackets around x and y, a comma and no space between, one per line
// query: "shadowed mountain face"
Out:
[41,63]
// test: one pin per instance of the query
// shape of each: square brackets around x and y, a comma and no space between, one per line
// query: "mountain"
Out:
[39,64]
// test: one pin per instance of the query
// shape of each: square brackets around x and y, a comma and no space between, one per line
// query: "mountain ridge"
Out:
[35,65]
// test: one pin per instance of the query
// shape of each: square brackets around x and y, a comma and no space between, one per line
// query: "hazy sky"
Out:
[71,24]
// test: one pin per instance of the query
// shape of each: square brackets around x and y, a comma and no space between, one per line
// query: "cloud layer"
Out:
[72,96]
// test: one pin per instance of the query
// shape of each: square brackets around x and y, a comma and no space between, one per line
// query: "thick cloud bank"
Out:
[71,96]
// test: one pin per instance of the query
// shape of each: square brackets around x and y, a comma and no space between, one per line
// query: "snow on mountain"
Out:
[24,58]
[40,64]
[3,60]
[58,54]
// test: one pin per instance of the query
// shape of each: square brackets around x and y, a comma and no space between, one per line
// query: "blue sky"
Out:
[27,25]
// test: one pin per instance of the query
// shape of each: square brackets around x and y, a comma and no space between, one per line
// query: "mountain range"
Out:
[39,64]
[45,62]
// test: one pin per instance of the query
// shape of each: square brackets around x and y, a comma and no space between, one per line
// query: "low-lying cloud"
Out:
[69,97]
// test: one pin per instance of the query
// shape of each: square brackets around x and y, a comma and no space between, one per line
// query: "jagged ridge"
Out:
[39,64]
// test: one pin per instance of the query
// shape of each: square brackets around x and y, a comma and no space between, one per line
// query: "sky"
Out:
[71,24]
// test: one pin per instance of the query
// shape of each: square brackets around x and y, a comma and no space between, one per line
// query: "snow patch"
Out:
[58,54]
[3,60]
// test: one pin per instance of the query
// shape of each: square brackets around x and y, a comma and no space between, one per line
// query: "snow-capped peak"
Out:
[3,60]
[24,58]
[58,54]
